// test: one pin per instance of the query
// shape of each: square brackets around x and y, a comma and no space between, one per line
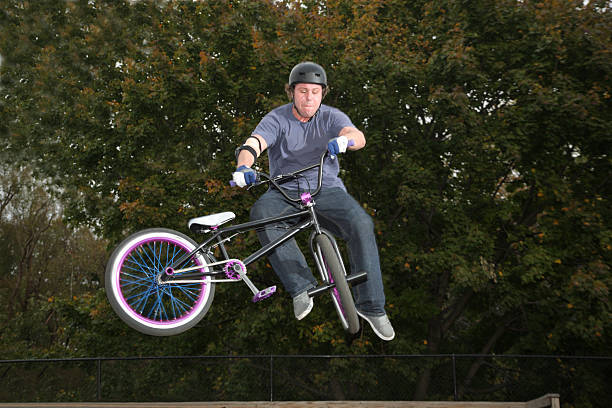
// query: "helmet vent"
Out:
[308,72]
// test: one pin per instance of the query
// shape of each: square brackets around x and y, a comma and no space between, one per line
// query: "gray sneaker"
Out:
[381,326]
[302,305]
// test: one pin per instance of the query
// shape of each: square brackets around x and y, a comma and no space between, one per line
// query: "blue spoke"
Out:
[190,291]
[138,281]
[173,303]
[149,253]
[141,302]
[158,307]
[176,302]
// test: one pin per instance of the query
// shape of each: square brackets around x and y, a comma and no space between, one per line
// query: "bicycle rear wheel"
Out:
[140,299]
[341,294]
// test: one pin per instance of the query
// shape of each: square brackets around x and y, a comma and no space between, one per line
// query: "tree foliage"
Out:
[45,264]
[487,167]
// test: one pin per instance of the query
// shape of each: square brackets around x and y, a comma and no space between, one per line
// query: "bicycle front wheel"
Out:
[341,294]
[137,295]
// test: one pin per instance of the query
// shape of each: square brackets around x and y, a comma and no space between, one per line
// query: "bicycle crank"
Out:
[237,267]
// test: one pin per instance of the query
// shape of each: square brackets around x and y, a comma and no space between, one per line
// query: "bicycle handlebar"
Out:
[275,180]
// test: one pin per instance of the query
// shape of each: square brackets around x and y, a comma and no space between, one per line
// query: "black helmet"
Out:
[308,72]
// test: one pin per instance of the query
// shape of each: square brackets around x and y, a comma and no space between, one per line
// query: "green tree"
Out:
[486,170]
[44,263]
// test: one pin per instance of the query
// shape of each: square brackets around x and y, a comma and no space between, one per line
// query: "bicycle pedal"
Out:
[263,294]
[358,277]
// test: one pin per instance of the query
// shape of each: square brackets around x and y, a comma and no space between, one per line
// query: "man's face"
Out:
[307,98]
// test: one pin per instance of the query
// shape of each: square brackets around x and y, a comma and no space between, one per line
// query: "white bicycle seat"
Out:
[210,222]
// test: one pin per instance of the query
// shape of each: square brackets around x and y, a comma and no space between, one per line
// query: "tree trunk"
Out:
[485,350]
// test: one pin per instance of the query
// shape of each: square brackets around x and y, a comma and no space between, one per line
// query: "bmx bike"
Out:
[161,282]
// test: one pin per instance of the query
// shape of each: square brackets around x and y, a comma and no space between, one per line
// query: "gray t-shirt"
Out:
[293,145]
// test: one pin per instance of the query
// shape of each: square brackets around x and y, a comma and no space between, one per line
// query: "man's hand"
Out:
[337,145]
[244,176]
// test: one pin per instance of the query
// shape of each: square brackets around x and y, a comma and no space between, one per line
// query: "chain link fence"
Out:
[580,381]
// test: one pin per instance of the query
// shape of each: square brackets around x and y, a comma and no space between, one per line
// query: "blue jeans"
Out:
[339,213]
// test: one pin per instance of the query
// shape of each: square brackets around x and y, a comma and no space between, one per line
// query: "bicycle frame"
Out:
[222,235]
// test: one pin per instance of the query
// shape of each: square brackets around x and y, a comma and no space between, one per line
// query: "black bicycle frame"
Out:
[247,226]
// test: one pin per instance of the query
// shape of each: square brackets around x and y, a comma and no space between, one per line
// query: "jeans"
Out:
[339,213]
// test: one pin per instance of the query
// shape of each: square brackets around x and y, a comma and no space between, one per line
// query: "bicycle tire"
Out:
[136,296]
[341,294]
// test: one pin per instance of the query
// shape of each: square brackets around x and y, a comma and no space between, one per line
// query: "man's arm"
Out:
[355,135]
[245,158]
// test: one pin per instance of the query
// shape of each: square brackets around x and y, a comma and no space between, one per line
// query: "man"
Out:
[295,135]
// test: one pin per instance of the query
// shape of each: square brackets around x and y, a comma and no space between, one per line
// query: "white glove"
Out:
[337,145]
[244,176]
